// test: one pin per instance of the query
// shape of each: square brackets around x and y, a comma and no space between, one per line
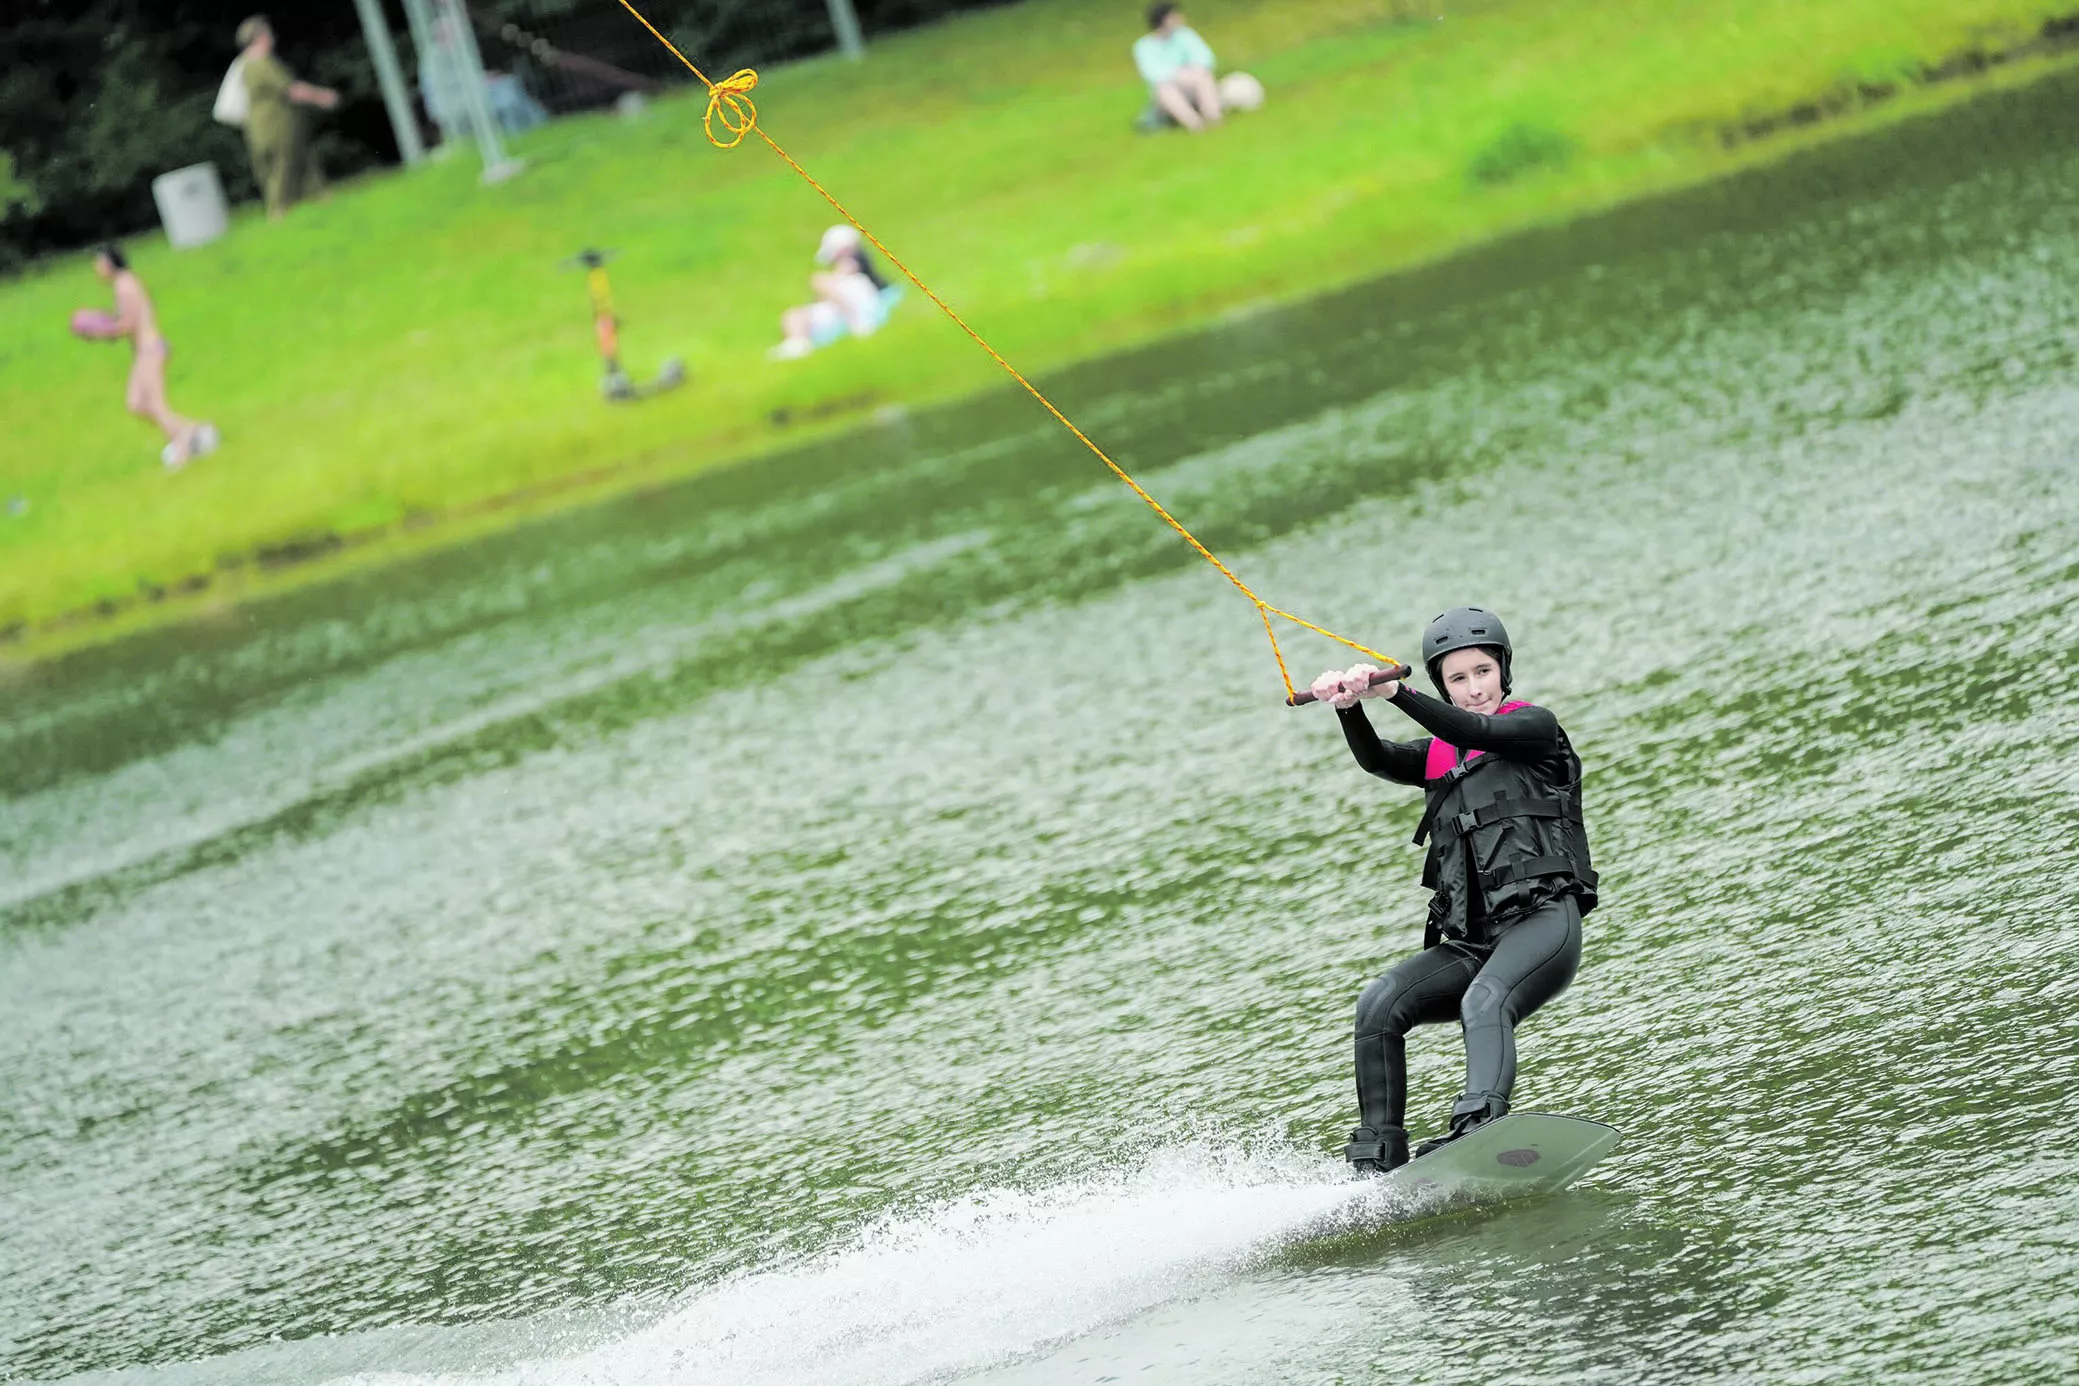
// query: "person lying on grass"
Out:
[1177,65]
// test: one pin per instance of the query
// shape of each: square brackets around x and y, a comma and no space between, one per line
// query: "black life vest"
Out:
[1503,839]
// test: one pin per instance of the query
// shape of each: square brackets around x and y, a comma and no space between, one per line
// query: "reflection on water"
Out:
[868,914]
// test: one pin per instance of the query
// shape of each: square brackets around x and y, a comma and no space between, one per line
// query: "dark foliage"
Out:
[98,97]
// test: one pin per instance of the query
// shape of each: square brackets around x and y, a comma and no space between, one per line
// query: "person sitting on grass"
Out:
[1177,65]
[850,298]
[146,393]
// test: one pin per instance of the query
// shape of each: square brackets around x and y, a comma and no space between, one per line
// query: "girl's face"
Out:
[1473,679]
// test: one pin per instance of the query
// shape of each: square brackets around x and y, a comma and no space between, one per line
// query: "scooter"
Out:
[615,384]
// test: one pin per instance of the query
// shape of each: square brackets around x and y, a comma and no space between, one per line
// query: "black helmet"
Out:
[1463,628]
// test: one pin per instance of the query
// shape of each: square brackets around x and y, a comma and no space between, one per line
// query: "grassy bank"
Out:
[406,358]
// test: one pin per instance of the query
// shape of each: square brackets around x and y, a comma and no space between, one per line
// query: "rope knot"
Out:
[726,100]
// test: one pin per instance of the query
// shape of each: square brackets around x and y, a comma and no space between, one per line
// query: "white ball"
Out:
[1241,91]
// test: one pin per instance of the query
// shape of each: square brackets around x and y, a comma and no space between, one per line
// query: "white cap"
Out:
[836,241]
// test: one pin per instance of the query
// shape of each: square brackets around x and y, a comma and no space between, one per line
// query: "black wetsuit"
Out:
[1486,971]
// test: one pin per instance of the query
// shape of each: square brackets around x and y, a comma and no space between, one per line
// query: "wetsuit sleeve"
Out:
[1399,761]
[1528,733]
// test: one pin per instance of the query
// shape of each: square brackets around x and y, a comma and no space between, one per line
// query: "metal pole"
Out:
[497,167]
[383,50]
[420,22]
[846,22]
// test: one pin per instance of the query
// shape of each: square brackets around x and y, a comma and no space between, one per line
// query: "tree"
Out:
[13,191]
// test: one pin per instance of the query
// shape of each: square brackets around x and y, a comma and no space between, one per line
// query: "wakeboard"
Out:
[1521,1155]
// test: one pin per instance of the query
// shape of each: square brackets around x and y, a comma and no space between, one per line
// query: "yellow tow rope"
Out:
[729,106]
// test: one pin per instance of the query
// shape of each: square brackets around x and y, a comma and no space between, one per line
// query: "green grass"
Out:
[410,349]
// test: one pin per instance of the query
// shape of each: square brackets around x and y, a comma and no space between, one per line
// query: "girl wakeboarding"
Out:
[1508,862]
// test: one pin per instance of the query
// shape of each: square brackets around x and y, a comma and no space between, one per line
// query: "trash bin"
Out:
[191,205]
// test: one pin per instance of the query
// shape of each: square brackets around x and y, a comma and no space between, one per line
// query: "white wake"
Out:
[983,1280]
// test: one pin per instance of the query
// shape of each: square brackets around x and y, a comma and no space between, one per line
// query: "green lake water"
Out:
[868,918]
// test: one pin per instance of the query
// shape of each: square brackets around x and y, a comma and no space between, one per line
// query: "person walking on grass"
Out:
[145,396]
[1177,65]
[276,134]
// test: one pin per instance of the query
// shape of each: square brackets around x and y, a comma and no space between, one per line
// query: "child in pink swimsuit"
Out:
[145,394]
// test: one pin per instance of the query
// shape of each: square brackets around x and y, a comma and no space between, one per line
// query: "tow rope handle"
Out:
[1398,671]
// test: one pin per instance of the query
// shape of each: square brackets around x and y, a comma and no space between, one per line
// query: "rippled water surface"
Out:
[868,918]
